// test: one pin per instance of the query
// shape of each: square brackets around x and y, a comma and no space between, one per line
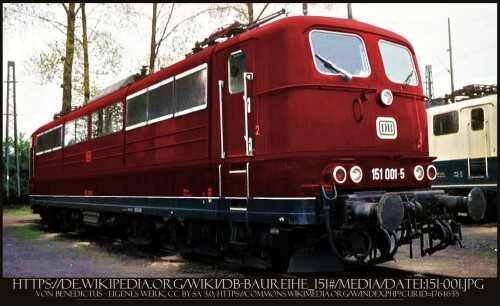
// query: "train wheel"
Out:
[359,248]
[170,234]
[281,252]
[52,219]
[65,222]
[387,243]
[80,228]
[222,238]
[140,231]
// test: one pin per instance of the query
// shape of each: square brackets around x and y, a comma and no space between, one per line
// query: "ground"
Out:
[63,255]
[478,257]
[31,251]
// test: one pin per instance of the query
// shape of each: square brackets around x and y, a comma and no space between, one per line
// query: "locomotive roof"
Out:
[292,23]
[307,22]
[489,99]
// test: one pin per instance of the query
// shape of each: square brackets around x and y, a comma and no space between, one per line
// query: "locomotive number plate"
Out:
[388,174]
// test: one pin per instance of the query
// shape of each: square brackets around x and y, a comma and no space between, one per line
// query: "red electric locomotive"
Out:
[300,145]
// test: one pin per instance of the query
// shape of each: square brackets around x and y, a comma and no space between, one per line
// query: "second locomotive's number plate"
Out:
[388,174]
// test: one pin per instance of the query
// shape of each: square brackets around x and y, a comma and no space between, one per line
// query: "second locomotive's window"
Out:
[477,119]
[236,65]
[446,123]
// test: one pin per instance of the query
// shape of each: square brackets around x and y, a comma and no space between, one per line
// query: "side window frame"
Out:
[105,122]
[170,101]
[144,114]
[50,147]
[440,125]
[73,126]
[177,112]
[173,108]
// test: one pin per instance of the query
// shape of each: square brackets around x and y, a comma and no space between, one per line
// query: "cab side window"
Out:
[236,66]
[477,119]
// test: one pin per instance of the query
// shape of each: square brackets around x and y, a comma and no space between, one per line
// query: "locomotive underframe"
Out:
[340,231]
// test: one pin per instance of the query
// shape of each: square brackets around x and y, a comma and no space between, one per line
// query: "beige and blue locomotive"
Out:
[463,136]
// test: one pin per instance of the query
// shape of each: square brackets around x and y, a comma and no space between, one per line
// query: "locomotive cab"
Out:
[334,109]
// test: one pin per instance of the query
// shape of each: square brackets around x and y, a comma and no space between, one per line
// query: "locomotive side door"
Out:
[235,90]
[477,139]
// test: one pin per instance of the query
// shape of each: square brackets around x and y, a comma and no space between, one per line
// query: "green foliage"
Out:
[49,67]
[24,164]
[82,245]
[28,232]
[23,210]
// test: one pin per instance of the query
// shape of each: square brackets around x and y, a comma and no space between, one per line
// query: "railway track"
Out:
[227,269]
[118,245]
[476,259]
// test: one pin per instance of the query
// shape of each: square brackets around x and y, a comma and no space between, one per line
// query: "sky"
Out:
[425,25]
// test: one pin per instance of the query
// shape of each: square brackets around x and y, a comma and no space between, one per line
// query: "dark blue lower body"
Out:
[296,211]
[466,174]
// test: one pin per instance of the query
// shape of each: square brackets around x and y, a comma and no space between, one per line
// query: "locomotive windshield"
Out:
[398,63]
[339,53]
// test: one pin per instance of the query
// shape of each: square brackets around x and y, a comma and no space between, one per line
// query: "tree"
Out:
[97,45]
[68,59]
[177,26]
[85,45]
[180,25]
[24,164]
[95,50]
[243,12]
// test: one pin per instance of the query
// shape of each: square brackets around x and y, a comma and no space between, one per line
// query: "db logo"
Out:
[387,128]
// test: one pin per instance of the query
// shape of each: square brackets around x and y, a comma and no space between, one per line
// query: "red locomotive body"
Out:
[308,133]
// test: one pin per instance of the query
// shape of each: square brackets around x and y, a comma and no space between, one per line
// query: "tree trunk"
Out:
[250,12]
[152,57]
[86,73]
[68,60]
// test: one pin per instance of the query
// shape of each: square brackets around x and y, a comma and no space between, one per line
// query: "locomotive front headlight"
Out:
[356,174]
[386,97]
[339,174]
[419,172]
[431,172]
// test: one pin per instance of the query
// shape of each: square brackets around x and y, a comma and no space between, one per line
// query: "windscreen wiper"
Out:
[328,64]
[406,83]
